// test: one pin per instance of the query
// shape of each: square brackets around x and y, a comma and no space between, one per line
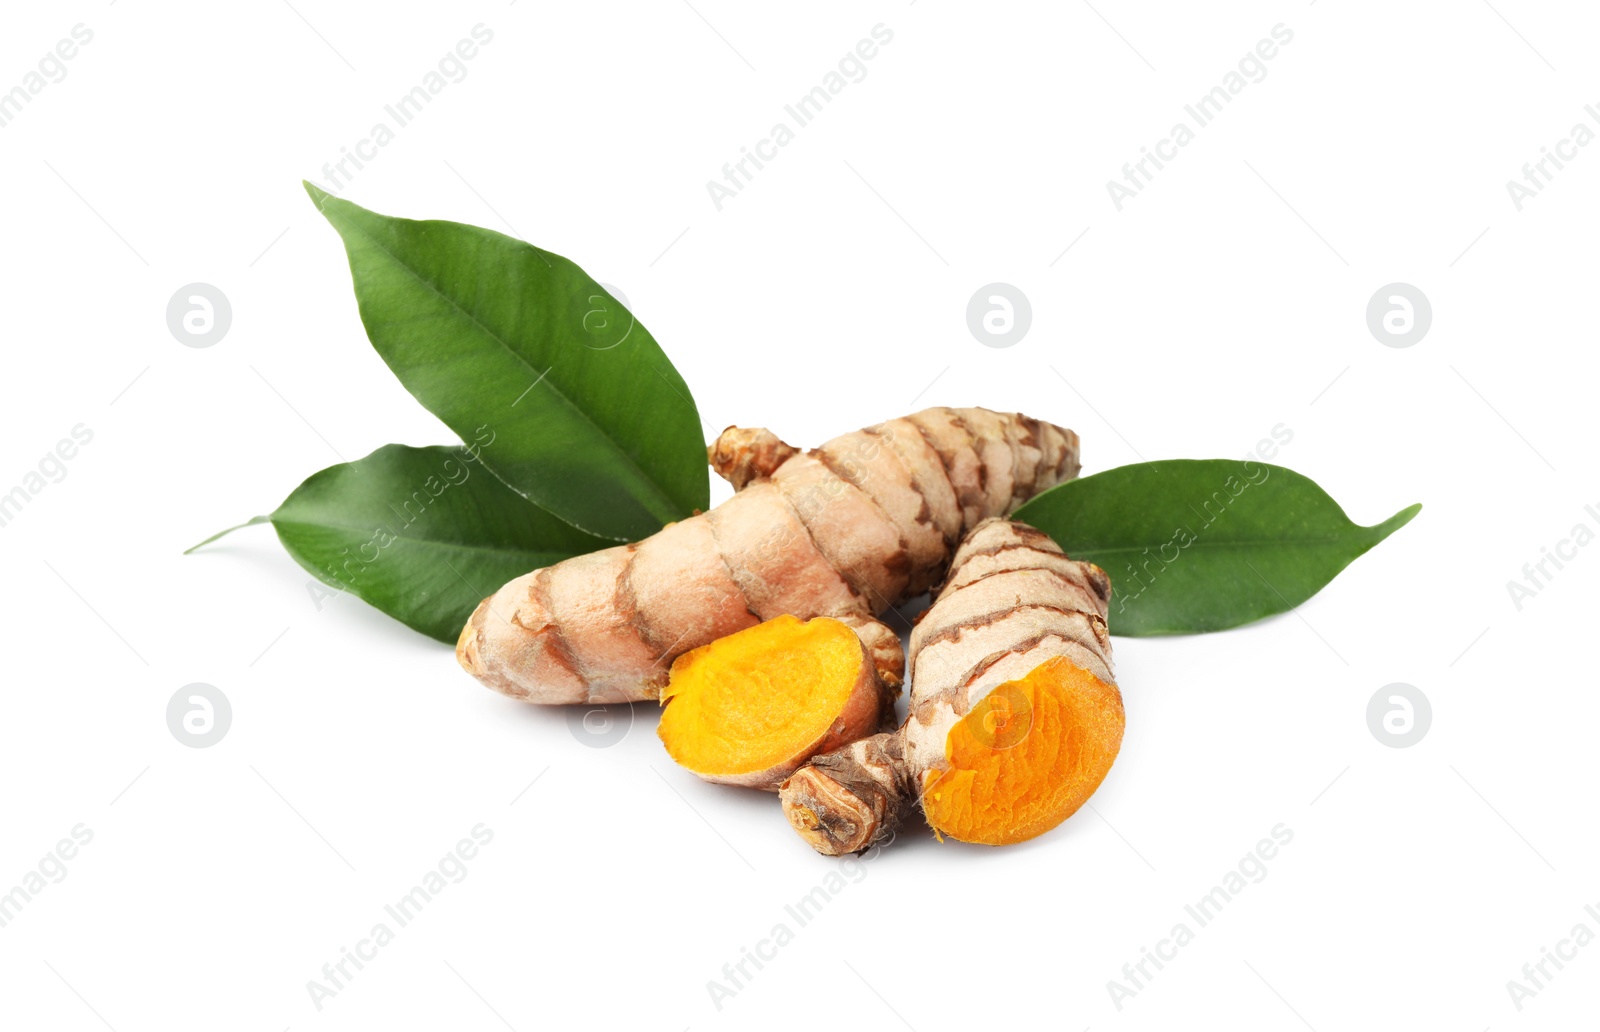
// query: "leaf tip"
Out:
[1398,520]
[318,196]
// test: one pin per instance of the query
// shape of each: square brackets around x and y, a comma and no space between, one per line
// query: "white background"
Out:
[1227,298]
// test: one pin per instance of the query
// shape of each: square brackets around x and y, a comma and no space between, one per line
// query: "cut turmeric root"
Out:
[1015,717]
[1025,758]
[750,708]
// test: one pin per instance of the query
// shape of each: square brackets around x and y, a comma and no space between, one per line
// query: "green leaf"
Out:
[423,534]
[1195,545]
[592,420]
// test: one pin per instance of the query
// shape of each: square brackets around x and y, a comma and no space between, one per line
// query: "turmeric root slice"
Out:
[750,708]
[1026,757]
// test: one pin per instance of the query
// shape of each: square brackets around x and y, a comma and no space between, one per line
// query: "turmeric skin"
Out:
[1015,717]
[847,530]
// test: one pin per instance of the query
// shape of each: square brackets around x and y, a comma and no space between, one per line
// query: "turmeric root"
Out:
[846,531]
[1015,717]
[750,708]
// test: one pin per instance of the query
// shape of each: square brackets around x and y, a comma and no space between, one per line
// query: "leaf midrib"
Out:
[604,434]
[1219,544]
[434,542]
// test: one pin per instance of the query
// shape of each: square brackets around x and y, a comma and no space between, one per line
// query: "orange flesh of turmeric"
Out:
[759,697]
[1026,757]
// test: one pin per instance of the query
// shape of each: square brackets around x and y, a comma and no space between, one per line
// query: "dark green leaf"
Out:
[1196,545]
[592,421]
[423,534]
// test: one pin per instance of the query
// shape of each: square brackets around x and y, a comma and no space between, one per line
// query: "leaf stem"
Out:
[230,530]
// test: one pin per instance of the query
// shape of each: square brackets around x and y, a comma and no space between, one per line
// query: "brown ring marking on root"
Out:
[988,619]
[966,499]
[899,565]
[953,537]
